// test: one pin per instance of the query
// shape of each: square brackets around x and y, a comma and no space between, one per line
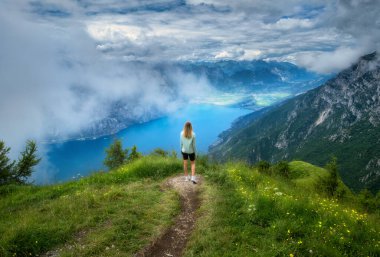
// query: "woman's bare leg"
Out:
[185,167]
[193,168]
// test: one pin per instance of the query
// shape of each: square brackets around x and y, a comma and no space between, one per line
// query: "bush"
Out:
[331,183]
[263,166]
[173,154]
[160,152]
[134,154]
[281,168]
[368,200]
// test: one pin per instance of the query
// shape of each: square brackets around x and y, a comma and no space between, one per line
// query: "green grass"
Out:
[246,213]
[106,214]
[243,213]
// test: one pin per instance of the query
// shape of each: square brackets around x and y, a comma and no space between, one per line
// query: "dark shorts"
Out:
[187,155]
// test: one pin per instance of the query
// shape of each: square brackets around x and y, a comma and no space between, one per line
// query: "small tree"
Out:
[134,154]
[6,166]
[116,156]
[332,180]
[26,162]
[12,172]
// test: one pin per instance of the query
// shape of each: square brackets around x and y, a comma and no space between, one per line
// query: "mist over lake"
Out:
[72,159]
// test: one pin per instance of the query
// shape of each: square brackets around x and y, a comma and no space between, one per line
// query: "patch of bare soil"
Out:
[173,241]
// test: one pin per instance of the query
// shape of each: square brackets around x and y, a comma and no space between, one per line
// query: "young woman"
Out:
[188,150]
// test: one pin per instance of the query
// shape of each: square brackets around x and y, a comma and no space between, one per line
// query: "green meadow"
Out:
[248,213]
[244,212]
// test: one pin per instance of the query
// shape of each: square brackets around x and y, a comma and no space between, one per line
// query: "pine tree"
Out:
[26,162]
[116,156]
[6,166]
[134,154]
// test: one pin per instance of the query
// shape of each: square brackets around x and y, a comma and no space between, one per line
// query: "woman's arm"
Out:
[194,145]
[180,142]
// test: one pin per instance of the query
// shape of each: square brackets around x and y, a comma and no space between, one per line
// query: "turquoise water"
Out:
[81,157]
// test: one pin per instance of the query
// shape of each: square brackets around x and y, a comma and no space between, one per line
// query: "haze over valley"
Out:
[85,70]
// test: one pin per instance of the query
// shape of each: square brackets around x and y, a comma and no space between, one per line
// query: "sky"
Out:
[63,62]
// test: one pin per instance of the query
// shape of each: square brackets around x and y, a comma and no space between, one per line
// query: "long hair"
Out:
[188,130]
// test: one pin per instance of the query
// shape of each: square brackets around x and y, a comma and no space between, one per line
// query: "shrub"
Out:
[368,200]
[134,154]
[160,152]
[263,166]
[173,154]
[281,168]
[331,183]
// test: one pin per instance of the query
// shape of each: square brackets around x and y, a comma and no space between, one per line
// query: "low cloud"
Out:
[55,81]
[329,62]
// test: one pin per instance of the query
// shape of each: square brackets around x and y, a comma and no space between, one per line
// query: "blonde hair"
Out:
[188,130]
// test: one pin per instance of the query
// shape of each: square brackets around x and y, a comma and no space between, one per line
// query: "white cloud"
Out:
[271,30]
[113,32]
[290,23]
[230,54]
[45,60]
[53,80]
[329,62]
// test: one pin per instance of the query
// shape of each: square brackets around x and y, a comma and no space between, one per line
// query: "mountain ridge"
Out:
[339,118]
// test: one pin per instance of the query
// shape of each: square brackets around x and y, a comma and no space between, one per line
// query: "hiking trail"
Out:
[173,241]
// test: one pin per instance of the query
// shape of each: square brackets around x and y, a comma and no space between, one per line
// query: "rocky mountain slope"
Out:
[340,118]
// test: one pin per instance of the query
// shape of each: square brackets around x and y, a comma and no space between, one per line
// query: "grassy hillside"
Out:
[106,214]
[243,213]
[246,213]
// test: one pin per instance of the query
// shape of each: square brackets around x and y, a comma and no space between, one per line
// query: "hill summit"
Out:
[241,211]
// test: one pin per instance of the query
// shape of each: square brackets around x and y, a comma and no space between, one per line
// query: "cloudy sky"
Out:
[50,48]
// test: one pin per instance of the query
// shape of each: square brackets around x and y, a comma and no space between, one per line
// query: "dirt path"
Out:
[173,241]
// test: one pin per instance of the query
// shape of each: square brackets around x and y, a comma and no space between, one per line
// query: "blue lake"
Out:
[67,160]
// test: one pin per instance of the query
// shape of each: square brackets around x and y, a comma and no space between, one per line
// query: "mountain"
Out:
[340,118]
